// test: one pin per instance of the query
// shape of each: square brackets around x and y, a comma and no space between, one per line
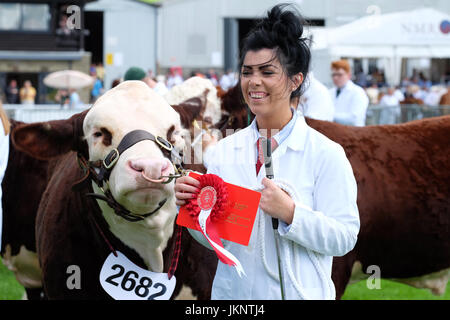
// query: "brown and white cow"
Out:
[197,87]
[196,99]
[72,229]
[235,113]
[23,185]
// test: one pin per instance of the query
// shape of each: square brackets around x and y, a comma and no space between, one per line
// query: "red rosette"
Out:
[207,207]
[221,197]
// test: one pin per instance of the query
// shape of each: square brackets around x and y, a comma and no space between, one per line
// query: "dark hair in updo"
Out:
[282,31]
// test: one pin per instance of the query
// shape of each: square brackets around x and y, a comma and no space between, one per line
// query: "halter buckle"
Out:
[112,157]
[163,143]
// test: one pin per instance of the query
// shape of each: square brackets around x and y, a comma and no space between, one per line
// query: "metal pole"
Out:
[267,148]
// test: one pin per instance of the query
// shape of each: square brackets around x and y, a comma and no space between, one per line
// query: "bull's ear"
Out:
[46,140]
[188,110]
[176,136]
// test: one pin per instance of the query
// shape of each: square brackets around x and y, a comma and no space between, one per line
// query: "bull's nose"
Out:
[136,165]
[150,169]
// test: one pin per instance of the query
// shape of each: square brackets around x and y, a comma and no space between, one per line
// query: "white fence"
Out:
[391,115]
[38,113]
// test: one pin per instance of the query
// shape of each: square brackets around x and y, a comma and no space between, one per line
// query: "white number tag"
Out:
[123,280]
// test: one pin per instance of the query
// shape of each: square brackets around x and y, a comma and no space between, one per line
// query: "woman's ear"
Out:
[298,80]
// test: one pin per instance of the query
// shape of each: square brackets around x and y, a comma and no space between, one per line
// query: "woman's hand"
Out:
[276,202]
[185,188]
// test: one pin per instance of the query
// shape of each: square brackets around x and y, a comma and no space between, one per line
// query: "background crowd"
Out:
[346,102]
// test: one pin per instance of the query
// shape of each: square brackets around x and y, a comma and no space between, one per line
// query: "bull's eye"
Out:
[107,136]
[104,134]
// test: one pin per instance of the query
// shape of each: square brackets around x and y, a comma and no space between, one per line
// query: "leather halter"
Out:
[105,167]
[131,139]
[228,121]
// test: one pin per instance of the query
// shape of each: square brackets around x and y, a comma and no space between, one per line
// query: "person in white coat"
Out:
[316,103]
[313,194]
[4,152]
[391,110]
[350,100]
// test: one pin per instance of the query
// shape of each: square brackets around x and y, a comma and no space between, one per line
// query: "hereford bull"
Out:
[24,175]
[73,229]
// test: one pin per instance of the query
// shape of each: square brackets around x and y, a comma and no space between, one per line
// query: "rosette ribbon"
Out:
[207,207]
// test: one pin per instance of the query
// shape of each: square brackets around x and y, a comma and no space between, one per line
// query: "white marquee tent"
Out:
[420,33]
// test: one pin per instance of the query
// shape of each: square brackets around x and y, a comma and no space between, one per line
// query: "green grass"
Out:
[10,289]
[390,290]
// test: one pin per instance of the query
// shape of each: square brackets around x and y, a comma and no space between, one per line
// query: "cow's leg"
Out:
[436,282]
[25,266]
[342,270]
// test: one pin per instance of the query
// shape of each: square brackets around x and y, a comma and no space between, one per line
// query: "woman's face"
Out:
[264,84]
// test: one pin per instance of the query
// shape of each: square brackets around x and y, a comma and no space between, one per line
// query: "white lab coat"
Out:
[4,151]
[350,106]
[326,218]
[316,103]
[391,111]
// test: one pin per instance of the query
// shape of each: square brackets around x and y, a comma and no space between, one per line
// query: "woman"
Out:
[27,93]
[317,213]
[4,150]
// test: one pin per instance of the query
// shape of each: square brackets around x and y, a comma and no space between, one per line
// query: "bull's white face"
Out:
[132,106]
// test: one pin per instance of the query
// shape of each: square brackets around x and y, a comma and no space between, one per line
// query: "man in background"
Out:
[350,100]
[315,102]
[136,73]
[12,92]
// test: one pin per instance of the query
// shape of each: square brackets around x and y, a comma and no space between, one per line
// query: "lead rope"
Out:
[176,252]
[326,285]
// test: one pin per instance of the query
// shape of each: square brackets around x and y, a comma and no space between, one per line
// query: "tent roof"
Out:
[420,27]
[416,27]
